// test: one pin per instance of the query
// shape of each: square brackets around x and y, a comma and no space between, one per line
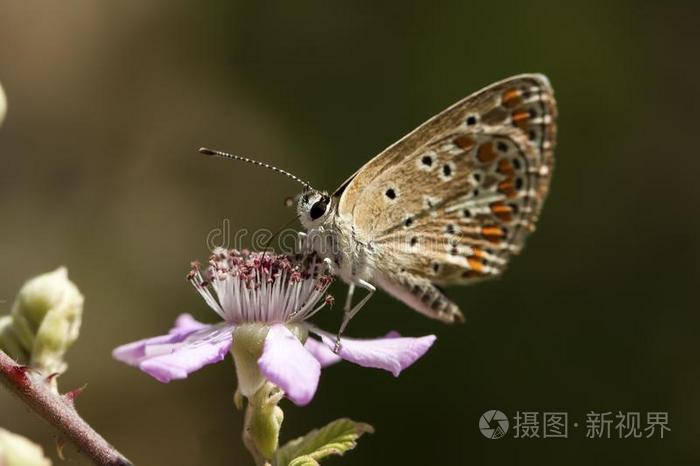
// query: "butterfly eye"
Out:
[319,208]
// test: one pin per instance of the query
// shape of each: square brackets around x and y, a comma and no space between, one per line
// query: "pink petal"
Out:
[392,353]
[286,363]
[134,353]
[189,346]
[321,352]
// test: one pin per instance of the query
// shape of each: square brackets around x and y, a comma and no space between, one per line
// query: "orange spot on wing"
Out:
[475,264]
[486,153]
[521,116]
[505,167]
[506,187]
[464,142]
[502,211]
[520,119]
[492,233]
[511,98]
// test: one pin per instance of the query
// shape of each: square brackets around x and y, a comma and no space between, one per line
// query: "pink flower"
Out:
[264,301]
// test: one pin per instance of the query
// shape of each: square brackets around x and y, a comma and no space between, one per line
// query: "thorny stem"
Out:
[58,411]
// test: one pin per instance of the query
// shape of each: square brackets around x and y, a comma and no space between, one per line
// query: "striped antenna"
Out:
[216,153]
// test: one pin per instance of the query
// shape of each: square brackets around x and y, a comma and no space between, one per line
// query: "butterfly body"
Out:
[333,237]
[356,259]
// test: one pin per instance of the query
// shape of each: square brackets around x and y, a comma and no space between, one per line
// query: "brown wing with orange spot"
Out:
[455,199]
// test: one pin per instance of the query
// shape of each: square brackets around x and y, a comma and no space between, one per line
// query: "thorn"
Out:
[73,394]
[60,445]
[20,375]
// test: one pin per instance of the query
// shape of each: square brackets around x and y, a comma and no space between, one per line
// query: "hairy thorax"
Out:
[350,254]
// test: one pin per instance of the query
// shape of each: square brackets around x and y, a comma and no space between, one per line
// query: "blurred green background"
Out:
[108,102]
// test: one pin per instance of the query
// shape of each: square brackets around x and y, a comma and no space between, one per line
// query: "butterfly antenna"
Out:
[216,153]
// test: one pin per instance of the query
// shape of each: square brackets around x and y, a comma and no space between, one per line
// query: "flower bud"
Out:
[9,342]
[46,319]
[16,450]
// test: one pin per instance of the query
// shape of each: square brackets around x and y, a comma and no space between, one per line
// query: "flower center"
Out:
[243,286]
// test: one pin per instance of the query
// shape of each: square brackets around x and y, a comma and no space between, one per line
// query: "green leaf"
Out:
[304,461]
[334,439]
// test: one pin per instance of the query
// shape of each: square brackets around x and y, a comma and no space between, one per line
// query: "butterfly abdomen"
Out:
[422,295]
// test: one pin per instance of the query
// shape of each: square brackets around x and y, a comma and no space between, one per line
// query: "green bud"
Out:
[46,319]
[9,342]
[16,450]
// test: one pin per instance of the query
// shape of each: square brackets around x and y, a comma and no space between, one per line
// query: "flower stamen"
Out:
[244,286]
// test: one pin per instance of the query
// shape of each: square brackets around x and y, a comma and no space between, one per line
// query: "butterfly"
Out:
[448,204]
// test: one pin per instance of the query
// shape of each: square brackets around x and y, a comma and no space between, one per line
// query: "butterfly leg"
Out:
[348,299]
[301,242]
[349,314]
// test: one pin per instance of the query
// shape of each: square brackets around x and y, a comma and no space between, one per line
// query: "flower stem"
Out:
[263,419]
[58,411]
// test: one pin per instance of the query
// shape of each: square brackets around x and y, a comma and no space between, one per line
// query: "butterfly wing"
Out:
[453,200]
